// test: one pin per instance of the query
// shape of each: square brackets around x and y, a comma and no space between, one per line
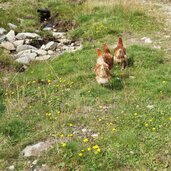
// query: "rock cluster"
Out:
[24,52]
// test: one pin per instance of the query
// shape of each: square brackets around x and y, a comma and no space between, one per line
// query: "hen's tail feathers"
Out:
[99,52]
[106,49]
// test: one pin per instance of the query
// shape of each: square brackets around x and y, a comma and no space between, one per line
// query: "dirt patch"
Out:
[60,25]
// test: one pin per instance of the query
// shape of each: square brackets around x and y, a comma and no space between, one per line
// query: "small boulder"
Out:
[21,53]
[50,52]
[2,30]
[30,56]
[10,36]
[18,42]
[12,167]
[25,47]
[26,35]
[2,38]
[43,47]
[12,26]
[24,60]
[50,46]
[59,35]
[27,41]
[7,45]
[41,52]
[42,58]
[36,149]
[146,40]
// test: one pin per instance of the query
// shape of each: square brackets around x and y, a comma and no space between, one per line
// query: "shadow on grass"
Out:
[115,84]
[130,62]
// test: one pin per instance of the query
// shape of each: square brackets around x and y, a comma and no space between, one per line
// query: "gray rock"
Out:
[2,30]
[18,42]
[41,52]
[10,36]
[65,41]
[42,58]
[12,167]
[21,53]
[12,26]
[47,28]
[157,47]
[30,56]
[23,60]
[7,45]
[36,149]
[51,46]
[26,35]
[27,41]
[25,47]
[59,35]
[43,47]
[146,40]
[50,52]
[2,38]
[34,162]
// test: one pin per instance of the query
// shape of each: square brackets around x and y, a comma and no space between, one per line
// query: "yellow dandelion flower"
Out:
[135,114]
[99,150]
[49,81]
[70,135]
[114,129]
[85,140]
[170,118]
[62,135]
[153,129]
[63,144]
[70,124]
[146,124]
[151,120]
[95,147]
[80,154]
[89,148]
[163,82]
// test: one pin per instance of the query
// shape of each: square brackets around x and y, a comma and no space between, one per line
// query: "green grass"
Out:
[59,98]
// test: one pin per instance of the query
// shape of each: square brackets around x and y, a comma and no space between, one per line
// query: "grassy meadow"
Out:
[122,126]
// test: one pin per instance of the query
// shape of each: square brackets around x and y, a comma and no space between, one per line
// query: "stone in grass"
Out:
[12,26]
[25,47]
[2,30]
[41,52]
[42,58]
[2,38]
[31,56]
[12,167]
[147,40]
[23,60]
[26,35]
[43,47]
[36,149]
[8,46]
[50,46]
[59,35]
[18,42]
[10,36]
[50,52]
[21,53]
